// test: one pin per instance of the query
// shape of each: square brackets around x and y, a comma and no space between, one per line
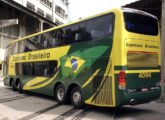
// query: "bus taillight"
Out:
[122,80]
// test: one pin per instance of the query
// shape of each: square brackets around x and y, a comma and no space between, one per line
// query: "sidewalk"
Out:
[1,79]
[1,82]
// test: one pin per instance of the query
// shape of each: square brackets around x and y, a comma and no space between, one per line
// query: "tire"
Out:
[76,97]
[60,94]
[20,90]
[13,86]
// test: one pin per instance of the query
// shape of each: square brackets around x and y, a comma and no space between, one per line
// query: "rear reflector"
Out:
[122,80]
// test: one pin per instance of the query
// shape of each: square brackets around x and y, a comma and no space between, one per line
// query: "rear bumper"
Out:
[138,97]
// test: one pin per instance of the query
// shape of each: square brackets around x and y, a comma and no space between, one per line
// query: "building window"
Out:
[60,11]
[41,12]
[47,3]
[48,16]
[30,6]
[58,22]
[65,2]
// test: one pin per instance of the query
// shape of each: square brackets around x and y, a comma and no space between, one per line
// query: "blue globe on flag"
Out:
[74,64]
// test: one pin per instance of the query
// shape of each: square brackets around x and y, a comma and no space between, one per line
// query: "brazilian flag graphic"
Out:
[74,63]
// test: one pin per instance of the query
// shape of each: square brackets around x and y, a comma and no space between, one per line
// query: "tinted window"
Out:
[99,27]
[88,30]
[28,68]
[45,68]
[141,24]
[59,38]
[68,35]
[55,40]
[30,46]
[27,45]
[45,40]
[75,33]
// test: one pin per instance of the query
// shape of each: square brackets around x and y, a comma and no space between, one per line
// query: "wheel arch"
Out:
[10,81]
[69,90]
[56,84]
[17,81]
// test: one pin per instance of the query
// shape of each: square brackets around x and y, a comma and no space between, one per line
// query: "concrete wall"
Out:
[27,25]
[163,48]
[47,9]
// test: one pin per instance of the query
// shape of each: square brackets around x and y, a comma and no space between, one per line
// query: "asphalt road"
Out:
[30,106]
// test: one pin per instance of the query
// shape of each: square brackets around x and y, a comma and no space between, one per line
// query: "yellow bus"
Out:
[109,60]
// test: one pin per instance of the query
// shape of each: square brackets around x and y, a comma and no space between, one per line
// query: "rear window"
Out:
[142,24]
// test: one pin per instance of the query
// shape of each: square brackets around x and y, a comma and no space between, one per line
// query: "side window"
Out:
[49,68]
[29,46]
[57,37]
[75,33]
[78,32]
[18,69]
[99,27]
[43,41]
[68,35]
[81,32]
[45,68]
[27,68]
[54,40]
[60,36]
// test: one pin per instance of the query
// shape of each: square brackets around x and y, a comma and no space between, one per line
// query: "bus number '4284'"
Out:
[145,75]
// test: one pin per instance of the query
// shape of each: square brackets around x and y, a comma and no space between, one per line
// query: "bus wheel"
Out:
[20,87]
[13,86]
[76,97]
[60,94]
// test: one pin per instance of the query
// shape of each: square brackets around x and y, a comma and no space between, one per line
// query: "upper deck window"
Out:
[142,24]
[100,27]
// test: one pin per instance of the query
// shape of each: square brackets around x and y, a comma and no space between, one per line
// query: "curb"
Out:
[161,100]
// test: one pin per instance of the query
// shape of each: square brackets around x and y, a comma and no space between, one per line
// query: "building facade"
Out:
[54,10]
[32,15]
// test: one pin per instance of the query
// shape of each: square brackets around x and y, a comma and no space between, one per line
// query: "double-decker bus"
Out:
[109,60]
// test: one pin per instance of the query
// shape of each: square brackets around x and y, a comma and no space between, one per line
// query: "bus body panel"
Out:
[95,66]
[96,56]
[141,75]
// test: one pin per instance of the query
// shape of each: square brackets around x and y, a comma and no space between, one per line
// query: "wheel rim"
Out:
[18,86]
[60,94]
[76,97]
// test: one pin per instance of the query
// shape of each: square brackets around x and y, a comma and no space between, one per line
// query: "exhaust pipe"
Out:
[132,101]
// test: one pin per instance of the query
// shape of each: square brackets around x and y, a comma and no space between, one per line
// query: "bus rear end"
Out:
[139,79]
